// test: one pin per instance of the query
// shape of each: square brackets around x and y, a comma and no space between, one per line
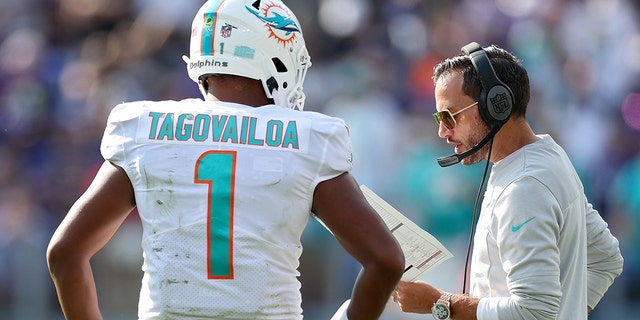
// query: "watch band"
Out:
[441,310]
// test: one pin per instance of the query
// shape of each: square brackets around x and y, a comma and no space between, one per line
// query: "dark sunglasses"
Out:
[447,118]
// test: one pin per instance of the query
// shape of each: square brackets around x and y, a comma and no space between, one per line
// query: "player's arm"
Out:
[88,226]
[342,207]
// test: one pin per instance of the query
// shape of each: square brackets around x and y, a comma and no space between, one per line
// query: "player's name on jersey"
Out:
[241,130]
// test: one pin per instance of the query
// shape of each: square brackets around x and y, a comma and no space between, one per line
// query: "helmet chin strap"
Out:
[202,91]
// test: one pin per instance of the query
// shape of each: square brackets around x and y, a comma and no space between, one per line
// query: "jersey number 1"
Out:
[217,170]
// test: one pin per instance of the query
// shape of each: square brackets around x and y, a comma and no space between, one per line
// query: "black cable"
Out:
[473,218]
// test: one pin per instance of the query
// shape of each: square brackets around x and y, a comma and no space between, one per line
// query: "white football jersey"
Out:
[224,192]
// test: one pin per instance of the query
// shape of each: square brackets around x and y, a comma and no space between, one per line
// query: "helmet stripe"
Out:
[210,17]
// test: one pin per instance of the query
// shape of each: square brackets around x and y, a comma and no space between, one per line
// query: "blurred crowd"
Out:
[65,63]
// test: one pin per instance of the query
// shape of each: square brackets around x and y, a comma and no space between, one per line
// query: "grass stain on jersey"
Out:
[168,282]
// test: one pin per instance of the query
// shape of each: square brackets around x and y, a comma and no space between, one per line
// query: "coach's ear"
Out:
[341,314]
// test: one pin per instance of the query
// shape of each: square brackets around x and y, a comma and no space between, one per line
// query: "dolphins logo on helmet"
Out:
[277,22]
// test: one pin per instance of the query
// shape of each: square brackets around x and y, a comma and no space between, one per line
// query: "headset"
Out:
[495,103]
[496,98]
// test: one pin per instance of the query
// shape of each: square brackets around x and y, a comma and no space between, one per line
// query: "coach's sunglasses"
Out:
[447,118]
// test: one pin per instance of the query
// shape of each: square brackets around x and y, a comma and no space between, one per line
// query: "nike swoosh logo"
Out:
[516,228]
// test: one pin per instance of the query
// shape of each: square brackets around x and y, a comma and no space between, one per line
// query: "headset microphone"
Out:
[456,158]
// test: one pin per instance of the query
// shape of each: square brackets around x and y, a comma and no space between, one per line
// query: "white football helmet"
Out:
[257,39]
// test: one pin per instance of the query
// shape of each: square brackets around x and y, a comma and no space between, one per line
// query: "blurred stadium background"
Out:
[65,63]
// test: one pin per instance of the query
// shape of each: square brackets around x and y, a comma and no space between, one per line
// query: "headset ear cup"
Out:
[496,99]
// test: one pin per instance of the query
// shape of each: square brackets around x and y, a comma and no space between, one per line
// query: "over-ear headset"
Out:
[496,99]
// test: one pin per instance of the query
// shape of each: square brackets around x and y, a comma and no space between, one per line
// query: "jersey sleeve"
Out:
[336,153]
[119,132]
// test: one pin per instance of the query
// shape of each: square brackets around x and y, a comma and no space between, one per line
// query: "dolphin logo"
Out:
[277,21]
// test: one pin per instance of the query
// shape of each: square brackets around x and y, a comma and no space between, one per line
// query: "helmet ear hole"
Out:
[280,67]
[272,84]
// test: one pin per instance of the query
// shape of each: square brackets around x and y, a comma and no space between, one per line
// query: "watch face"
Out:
[440,311]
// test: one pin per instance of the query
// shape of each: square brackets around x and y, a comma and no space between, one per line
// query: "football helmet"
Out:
[257,39]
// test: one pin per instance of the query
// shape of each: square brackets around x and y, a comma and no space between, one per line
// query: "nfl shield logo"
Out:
[500,103]
[225,31]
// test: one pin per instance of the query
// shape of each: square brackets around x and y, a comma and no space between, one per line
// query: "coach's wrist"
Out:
[441,310]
